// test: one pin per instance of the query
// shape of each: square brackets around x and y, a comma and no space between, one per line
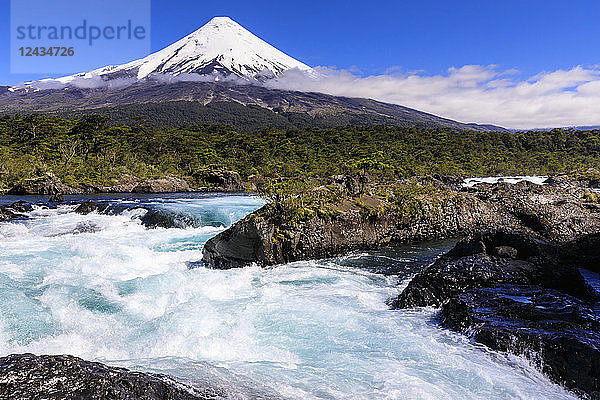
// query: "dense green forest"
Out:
[243,118]
[90,149]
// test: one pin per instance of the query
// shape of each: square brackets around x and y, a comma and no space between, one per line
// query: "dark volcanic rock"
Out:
[261,239]
[558,331]
[518,292]
[475,263]
[28,377]
[220,180]
[21,206]
[240,245]
[14,211]
[444,280]
[88,207]
[584,252]
[44,185]
[577,179]
[56,198]
[6,214]
[168,219]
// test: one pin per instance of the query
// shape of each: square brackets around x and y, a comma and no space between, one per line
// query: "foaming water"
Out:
[103,287]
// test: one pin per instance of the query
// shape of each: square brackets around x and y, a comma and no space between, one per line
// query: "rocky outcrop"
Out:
[52,186]
[157,218]
[521,293]
[88,207]
[6,214]
[125,184]
[14,210]
[376,217]
[148,217]
[495,258]
[44,185]
[589,178]
[56,198]
[27,376]
[20,206]
[244,243]
[215,179]
[258,240]
[558,332]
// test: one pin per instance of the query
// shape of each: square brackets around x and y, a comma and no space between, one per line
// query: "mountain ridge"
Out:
[314,105]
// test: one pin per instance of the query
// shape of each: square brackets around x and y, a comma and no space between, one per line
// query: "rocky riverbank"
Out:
[208,180]
[518,292]
[26,376]
[346,217]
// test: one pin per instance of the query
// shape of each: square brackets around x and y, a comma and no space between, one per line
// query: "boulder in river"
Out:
[21,206]
[14,210]
[520,293]
[160,218]
[88,207]
[26,376]
[556,331]
[56,198]
[481,261]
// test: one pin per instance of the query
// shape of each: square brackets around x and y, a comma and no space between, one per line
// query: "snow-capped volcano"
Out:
[219,49]
[222,45]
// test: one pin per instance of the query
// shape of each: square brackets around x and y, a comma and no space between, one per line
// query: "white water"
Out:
[124,295]
[535,179]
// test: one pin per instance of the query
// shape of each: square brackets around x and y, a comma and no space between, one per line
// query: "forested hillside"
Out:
[90,149]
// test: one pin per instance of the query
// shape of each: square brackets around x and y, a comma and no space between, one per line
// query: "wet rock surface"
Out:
[167,219]
[88,207]
[29,377]
[56,198]
[14,211]
[520,293]
[558,332]
[150,218]
[503,257]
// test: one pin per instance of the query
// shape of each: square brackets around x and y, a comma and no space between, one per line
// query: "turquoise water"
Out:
[103,287]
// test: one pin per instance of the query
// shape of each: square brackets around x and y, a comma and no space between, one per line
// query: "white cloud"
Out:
[472,93]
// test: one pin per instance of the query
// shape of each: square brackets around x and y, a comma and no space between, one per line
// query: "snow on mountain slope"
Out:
[219,49]
[220,44]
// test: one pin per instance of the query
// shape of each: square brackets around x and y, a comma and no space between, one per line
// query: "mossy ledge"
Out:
[346,214]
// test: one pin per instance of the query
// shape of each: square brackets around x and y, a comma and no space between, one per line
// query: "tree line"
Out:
[90,149]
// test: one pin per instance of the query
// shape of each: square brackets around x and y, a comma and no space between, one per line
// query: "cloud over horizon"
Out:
[472,93]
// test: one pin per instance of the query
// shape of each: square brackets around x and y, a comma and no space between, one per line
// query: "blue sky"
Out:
[430,38]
